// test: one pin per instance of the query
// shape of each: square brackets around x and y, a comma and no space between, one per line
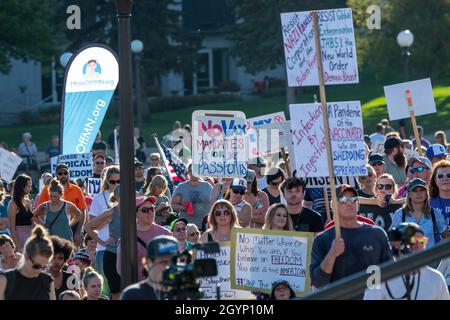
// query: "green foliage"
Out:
[229,86]
[378,50]
[258,42]
[25,31]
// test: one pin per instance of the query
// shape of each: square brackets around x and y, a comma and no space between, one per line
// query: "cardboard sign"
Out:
[80,164]
[9,162]
[209,284]
[319,182]
[219,144]
[263,142]
[261,257]
[346,136]
[421,93]
[337,43]
[378,147]
[93,186]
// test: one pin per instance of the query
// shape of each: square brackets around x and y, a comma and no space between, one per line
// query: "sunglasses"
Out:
[147,209]
[114,181]
[36,266]
[377,164]
[154,159]
[346,199]
[99,163]
[238,191]
[218,213]
[194,234]
[384,186]
[443,175]
[179,229]
[418,169]
[419,239]
[63,173]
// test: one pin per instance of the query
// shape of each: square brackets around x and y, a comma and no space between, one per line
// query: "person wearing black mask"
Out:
[275,177]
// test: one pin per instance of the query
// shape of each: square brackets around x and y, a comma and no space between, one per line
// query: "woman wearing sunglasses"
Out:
[440,189]
[221,220]
[57,213]
[382,208]
[193,234]
[29,281]
[111,218]
[418,210]
[178,228]
[146,230]
[235,194]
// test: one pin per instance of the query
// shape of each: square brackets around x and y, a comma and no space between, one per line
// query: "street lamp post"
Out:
[137,46]
[126,149]
[405,39]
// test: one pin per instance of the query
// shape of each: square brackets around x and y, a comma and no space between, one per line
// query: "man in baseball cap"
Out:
[436,152]
[160,253]
[420,167]
[395,160]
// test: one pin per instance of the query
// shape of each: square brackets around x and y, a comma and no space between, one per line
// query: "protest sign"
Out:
[93,186]
[261,257]
[422,99]
[318,182]
[284,132]
[378,147]
[80,164]
[219,144]
[9,162]
[262,142]
[337,43]
[346,136]
[209,284]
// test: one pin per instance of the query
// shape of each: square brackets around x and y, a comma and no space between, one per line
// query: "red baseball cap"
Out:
[141,199]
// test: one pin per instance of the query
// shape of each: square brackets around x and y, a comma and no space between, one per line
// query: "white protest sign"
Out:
[337,42]
[219,144]
[261,142]
[80,164]
[261,257]
[209,284]
[8,164]
[284,132]
[378,147]
[346,136]
[421,93]
[319,182]
[93,186]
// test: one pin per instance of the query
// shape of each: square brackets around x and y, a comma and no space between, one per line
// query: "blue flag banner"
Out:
[92,75]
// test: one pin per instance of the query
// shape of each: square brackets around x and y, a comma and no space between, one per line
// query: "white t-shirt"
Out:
[431,286]
[262,182]
[444,268]
[98,206]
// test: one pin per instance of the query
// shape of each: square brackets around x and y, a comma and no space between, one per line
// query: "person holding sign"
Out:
[57,214]
[304,219]
[221,220]
[360,245]
[278,218]
[235,195]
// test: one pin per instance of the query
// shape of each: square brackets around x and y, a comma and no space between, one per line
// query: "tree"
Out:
[428,21]
[257,37]
[25,31]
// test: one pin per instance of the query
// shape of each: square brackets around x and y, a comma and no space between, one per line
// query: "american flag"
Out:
[175,167]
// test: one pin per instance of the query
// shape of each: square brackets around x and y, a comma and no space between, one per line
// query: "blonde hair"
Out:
[157,181]
[90,273]
[268,224]
[212,222]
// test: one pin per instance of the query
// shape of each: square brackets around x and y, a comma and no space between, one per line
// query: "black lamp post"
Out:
[126,148]
[137,46]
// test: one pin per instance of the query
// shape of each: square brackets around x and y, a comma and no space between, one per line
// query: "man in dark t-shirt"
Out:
[304,219]
[160,252]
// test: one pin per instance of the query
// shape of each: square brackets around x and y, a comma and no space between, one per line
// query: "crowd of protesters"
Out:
[64,244]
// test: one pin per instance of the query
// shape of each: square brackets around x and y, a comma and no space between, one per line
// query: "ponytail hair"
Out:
[38,244]
[55,186]
[90,273]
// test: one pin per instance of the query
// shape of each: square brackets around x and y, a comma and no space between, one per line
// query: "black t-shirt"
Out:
[272,199]
[19,287]
[307,221]
[139,185]
[381,216]
[141,291]
[363,194]
[66,281]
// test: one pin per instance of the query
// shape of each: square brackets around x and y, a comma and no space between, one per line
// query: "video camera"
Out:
[403,234]
[182,274]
